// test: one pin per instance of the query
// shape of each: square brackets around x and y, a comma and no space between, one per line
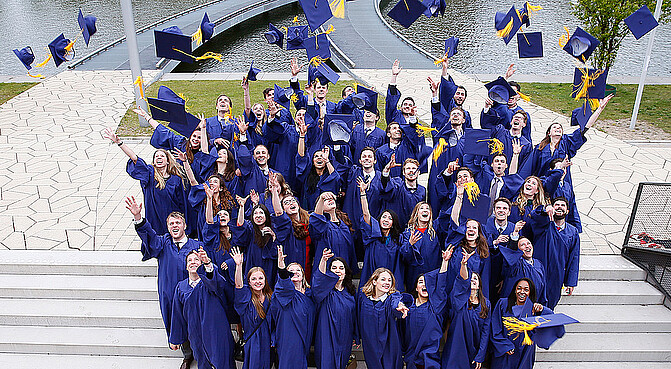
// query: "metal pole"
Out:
[133,54]
[641,82]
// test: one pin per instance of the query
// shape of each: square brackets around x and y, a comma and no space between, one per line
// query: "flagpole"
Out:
[641,82]
[133,56]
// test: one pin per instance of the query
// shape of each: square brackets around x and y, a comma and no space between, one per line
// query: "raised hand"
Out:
[301,127]
[237,256]
[488,103]
[403,309]
[363,186]
[208,190]
[268,231]
[396,68]
[254,196]
[202,255]
[134,207]
[550,210]
[141,112]
[510,71]
[603,102]
[433,85]
[519,225]
[517,148]
[309,88]
[415,237]
[392,163]
[109,134]
[241,200]
[245,83]
[280,257]
[179,154]
[327,152]
[272,109]
[242,124]
[466,256]
[537,308]
[327,254]
[202,123]
[295,67]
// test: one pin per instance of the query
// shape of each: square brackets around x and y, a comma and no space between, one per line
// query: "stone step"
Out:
[609,267]
[44,361]
[78,287]
[126,263]
[615,347]
[85,341]
[613,292]
[80,313]
[618,318]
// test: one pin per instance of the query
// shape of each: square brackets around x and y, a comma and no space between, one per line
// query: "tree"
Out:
[604,19]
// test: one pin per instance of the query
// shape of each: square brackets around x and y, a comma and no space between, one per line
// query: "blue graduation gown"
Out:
[171,264]
[439,197]
[335,236]
[516,268]
[328,182]
[503,135]
[198,313]
[352,201]
[378,328]
[284,136]
[500,114]
[424,256]
[424,325]
[559,251]
[538,162]
[476,264]
[468,335]
[293,318]
[253,178]
[255,256]
[294,249]
[158,203]
[336,321]
[492,232]
[257,348]
[446,91]
[163,138]
[197,198]
[359,140]
[566,190]
[399,198]
[216,129]
[380,252]
[523,358]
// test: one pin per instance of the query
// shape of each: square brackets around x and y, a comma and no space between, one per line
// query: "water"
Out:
[480,51]
[35,23]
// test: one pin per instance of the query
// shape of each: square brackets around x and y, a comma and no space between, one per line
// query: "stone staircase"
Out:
[99,310]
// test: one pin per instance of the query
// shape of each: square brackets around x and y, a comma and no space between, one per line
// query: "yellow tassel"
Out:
[284,29]
[198,36]
[338,8]
[516,326]
[236,137]
[473,191]
[156,107]
[495,146]
[207,55]
[186,100]
[140,84]
[293,98]
[593,103]
[586,81]
[439,62]
[42,64]
[329,30]
[35,76]
[421,130]
[70,46]
[295,20]
[406,5]
[534,8]
[506,30]
[564,37]
[524,97]
[439,149]
[316,60]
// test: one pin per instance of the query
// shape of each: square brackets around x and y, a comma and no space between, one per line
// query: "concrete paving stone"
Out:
[14,241]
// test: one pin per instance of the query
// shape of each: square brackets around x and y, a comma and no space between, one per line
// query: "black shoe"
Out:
[186,363]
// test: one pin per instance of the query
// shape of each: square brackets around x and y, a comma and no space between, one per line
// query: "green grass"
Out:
[655,103]
[9,90]
[202,96]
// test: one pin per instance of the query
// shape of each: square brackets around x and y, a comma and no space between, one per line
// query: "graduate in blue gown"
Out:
[293,312]
[470,320]
[379,307]
[452,95]
[401,194]
[508,350]
[198,313]
[381,241]
[519,264]
[423,327]
[565,190]
[220,126]
[557,246]
[533,196]
[333,292]
[170,251]
[317,174]
[254,169]
[330,228]
[501,234]
[366,134]
[162,183]
[219,161]
[403,143]
[511,137]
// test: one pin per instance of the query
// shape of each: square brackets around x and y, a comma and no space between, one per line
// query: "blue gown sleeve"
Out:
[322,284]
[318,226]
[446,92]
[461,290]
[203,164]
[282,226]
[243,297]
[178,324]
[151,243]
[370,232]
[500,341]
[163,138]
[303,166]
[330,183]
[484,335]
[573,262]
[284,292]
[410,254]
[575,141]
[211,235]
[197,195]
[436,284]
[391,103]
[215,284]
[140,171]
[241,235]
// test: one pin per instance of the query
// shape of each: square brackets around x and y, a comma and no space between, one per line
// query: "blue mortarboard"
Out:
[477,210]
[596,83]
[530,44]
[206,28]
[581,115]
[476,141]
[295,37]
[186,129]
[641,22]
[318,45]
[550,320]
[581,44]
[317,12]
[338,128]
[448,134]
[406,12]
[499,90]
[88,26]
[171,39]
[365,99]
[451,45]
[325,74]
[58,50]
[251,74]
[282,96]
[167,106]
[507,24]
[525,13]
[26,56]
[274,35]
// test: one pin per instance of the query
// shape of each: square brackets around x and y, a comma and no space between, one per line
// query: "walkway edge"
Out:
[376,4]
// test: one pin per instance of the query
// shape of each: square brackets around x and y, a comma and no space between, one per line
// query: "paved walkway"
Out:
[62,184]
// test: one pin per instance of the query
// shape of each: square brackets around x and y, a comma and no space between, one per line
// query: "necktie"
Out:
[492,194]
[500,231]
[558,228]
[368,131]
[366,178]
[178,244]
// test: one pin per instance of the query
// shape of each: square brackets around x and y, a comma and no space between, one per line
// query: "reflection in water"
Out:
[480,51]
[245,42]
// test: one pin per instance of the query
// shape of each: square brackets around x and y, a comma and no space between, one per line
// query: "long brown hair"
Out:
[285,189]
[229,169]
[224,242]
[369,289]
[300,225]
[260,239]
[190,150]
[225,197]
[171,168]
[413,223]
[546,140]
[480,243]
[484,310]
[266,291]
[538,199]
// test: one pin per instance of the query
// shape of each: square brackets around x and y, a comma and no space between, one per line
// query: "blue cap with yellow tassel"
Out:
[507,24]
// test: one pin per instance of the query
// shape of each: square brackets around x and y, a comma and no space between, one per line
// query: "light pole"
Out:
[133,55]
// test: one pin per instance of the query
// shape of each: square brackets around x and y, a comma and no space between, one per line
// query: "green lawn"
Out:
[202,95]
[655,103]
[9,90]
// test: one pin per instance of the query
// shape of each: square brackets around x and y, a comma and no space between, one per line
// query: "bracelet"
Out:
[363,195]
[120,143]
[303,137]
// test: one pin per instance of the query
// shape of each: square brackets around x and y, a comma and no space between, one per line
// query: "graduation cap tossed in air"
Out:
[530,45]
[581,44]
[477,209]
[61,49]
[338,128]
[589,83]
[206,28]
[169,107]
[580,116]
[317,46]
[451,45]
[295,37]
[172,43]
[251,74]
[526,11]
[87,24]
[323,73]
[507,24]
[499,90]
[479,142]
[274,36]
[317,12]
[641,22]
[26,56]
[406,12]
[283,96]
[365,99]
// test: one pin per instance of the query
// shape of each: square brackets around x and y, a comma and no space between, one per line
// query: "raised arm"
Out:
[302,131]
[209,212]
[245,96]
[326,255]
[602,104]
[447,254]
[141,112]
[515,159]
[363,186]
[204,141]
[187,167]
[329,166]
[274,187]
[109,134]
[395,70]
[456,208]
[238,258]
[241,209]
[463,272]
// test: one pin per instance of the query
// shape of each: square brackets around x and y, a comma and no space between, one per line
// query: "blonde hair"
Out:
[172,169]
[538,199]
[369,289]
[304,282]
[266,291]
[413,223]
